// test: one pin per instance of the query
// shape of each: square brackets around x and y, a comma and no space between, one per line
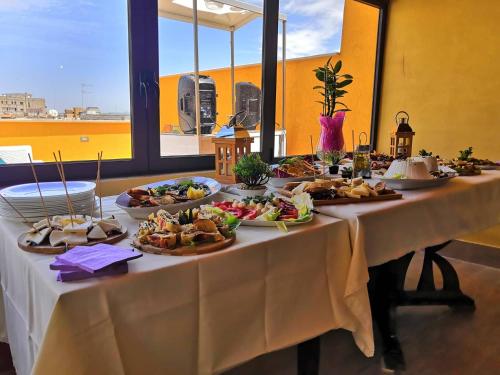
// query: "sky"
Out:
[51,47]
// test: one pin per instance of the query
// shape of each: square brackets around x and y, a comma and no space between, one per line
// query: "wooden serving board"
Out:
[203,248]
[54,250]
[378,198]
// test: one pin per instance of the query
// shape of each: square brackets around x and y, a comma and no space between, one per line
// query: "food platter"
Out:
[123,200]
[413,184]
[267,211]
[262,223]
[194,231]
[294,169]
[336,201]
[204,248]
[53,250]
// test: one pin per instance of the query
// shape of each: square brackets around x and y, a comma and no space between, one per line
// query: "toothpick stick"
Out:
[68,202]
[61,165]
[15,209]
[312,156]
[96,182]
[99,160]
[40,192]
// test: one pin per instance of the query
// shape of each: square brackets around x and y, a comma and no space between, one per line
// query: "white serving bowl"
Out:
[250,192]
[143,212]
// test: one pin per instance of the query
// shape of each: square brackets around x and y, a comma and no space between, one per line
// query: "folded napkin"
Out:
[97,257]
[83,262]
[79,274]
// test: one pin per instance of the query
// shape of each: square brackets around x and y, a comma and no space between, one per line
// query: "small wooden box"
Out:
[227,153]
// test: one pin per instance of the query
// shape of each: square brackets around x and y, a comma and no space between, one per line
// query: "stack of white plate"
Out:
[26,199]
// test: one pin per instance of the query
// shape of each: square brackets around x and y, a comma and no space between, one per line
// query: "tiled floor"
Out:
[436,340]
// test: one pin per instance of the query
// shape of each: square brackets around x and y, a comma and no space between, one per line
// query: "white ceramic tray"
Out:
[413,184]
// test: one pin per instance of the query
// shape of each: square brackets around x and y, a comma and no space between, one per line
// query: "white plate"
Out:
[34,216]
[262,223]
[279,182]
[49,190]
[144,212]
[412,184]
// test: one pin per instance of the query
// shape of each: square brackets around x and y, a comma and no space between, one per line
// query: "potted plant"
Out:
[253,174]
[333,114]
[333,159]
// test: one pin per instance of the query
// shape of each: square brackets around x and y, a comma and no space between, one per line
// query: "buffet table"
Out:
[185,315]
[389,232]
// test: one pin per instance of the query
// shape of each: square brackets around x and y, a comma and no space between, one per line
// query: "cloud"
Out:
[318,22]
[311,26]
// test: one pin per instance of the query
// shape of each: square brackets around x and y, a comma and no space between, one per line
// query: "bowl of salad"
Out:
[265,211]
[171,196]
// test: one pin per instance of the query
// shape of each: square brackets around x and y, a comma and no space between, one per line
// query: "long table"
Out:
[389,232]
[185,315]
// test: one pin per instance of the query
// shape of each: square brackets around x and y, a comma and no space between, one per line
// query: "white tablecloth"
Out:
[387,230]
[186,315]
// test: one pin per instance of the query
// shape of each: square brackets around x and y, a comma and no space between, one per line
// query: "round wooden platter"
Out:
[54,250]
[204,248]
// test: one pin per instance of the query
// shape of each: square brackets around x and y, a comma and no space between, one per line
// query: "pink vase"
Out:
[331,137]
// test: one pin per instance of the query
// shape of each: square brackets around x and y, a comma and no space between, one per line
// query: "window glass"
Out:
[314,33]
[65,80]
[218,24]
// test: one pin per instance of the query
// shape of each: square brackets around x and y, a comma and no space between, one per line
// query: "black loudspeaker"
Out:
[186,106]
[248,100]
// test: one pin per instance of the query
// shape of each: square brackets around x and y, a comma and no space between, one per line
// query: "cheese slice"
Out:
[109,225]
[97,233]
[36,238]
[59,237]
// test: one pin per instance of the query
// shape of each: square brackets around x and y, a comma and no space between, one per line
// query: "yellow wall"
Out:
[302,113]
[45,137]
[442,66]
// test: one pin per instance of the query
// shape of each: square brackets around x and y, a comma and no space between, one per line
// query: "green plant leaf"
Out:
[340,103]
[343,110]
[347,76]
[328,61]
[344,83]
[337,67]
[339,93]
[318,87]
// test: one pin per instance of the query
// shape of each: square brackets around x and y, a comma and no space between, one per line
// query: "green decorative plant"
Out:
[332,87]
[466,154]
[252,171]
[333,157]
[423,152]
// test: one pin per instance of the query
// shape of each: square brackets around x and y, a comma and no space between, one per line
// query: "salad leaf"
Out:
[232,221]
[270,215]
[304,204]
[281,226]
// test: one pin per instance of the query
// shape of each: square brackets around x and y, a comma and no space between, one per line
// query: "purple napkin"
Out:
[58,265]
[79,274]
[95,258]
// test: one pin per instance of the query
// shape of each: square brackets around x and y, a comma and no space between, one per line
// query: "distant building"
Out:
[21,105]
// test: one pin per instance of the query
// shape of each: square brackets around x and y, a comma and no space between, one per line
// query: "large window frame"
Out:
[144,99]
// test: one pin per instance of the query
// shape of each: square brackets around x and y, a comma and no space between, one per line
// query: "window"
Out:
[115,85]
[312,36]
[82,62]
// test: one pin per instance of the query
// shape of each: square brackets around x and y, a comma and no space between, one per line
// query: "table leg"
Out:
[426,293]
[386,290]
[308,355]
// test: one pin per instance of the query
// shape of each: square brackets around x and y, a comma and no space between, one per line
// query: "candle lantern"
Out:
[361,162]
[402,138]
[231,143]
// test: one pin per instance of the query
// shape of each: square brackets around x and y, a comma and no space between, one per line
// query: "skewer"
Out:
[61,165]
[99,160]
[40,192]
[16,210]
[61,174]
[95,189]
[312,156]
